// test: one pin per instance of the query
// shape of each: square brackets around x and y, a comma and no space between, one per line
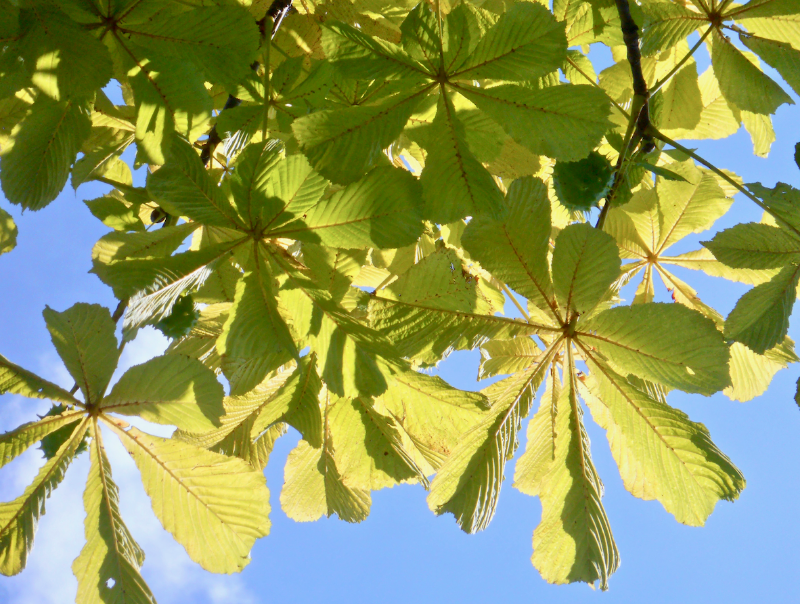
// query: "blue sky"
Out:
[402,552]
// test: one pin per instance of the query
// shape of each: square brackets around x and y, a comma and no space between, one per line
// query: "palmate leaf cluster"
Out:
[341,193]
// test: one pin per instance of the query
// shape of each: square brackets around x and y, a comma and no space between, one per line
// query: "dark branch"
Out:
[276,12]
[630,35]
[641,97]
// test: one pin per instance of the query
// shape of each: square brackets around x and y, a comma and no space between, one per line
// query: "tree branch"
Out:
[639,122]
[276,12]
[630,35]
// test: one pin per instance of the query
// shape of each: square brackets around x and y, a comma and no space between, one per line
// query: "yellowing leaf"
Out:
[170,389]
[84,337]
[19,518]
[573,542]
[660,452]
[468,484]
[665,343]
[108,568]
[215,506]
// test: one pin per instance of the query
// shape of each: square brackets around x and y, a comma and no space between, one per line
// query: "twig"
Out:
[515,302]
[657,86]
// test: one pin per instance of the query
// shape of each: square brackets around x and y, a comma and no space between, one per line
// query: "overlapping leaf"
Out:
[203,486]
[525,43]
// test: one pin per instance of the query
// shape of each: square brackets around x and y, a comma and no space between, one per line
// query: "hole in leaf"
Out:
[110,583]
[689,370]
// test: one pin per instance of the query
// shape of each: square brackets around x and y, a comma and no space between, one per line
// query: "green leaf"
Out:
[181,318]
[797,393]
[687,207]
[573,542]
[525,43]
[338,268]
[507,356]
[718,119]
[742,83]
[288,396]
[155,284]
[354,359]
[116,247]
[222,41]
[582,184]
[578,69]
[666,24]
[183,187]
[359,56]
[361,452]
[67,61]
[704,260]
[116,213]
[313,487]
[661,171]
[8,232]
[381,210]
[562,122]
[461,32]
[454,183]
[270,191]
[431,414]
[170,97]
[52,442]
[661,453]
[200,342]
[435,307]
[108,567]
[101,158]
[468,484]
[16,442]
[16,380]
[84,338]
[666,343]
[19,518]
[585,264]
[755,246]
[760,318]
[779,55]
[251,176]
[256,326]
[296,402]
[776,19]
[420,36]
[172,390]
[761,132]
[515,249]
[782,201]
[36,168]
[13,73]
[752,373]
[678,106]
[342,144]
[215,506]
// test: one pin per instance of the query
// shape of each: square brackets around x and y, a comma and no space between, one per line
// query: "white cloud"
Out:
[48,579]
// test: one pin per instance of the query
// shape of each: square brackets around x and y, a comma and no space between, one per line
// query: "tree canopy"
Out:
[338,195]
